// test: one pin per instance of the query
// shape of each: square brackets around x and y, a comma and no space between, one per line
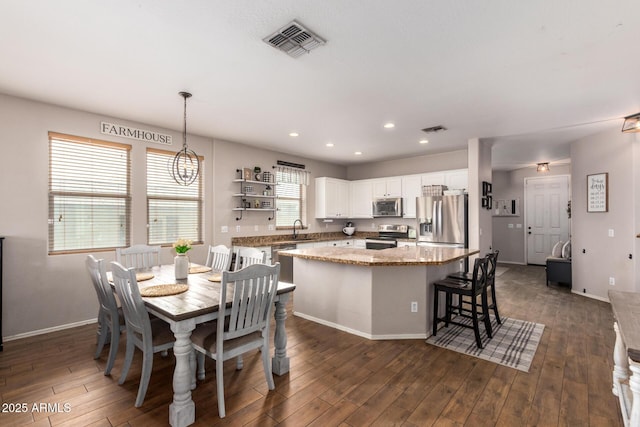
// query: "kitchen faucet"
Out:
[295,236]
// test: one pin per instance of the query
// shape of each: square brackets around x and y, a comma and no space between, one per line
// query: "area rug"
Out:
[514,342]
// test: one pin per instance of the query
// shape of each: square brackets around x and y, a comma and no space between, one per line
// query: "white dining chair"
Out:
[138,256]
[249,256]
[110,317]
[253,290]
[219,258]
[150,336]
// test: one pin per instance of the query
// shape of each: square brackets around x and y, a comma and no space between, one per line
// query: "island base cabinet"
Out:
[373,302]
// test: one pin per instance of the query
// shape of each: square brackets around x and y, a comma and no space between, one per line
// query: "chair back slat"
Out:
[254,288]
[249,256]
[135,312]
[138,256]
[98,274]
[479,278]
[219,258]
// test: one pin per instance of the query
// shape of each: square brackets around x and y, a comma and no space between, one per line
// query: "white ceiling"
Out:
[529,76]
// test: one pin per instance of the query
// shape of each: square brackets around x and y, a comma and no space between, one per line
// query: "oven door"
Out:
[380,243]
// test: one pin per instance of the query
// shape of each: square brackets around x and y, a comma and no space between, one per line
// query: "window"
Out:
[89,194]
[290,200]
[173,211]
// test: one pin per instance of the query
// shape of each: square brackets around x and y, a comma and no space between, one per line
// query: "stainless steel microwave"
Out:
[387,207]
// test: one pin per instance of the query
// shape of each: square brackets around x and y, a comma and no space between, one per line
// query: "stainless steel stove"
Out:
[388,235]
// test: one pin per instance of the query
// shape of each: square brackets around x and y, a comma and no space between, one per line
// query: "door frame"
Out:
[526,209]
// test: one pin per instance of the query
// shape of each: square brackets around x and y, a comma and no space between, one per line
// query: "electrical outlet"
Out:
[224,229]
[237,228]
[256,227]
[271,227]
[612,281]
[414,306]
[611,233]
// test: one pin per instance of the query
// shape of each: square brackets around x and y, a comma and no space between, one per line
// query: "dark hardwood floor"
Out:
[338,379]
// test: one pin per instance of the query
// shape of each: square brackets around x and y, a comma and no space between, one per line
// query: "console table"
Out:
[626,354]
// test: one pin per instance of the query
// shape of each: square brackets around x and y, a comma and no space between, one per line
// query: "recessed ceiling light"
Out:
[294,134]
[389,125]
[424,141]
[329,144]
[358,153]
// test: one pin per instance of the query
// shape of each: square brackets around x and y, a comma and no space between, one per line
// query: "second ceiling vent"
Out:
[294,39]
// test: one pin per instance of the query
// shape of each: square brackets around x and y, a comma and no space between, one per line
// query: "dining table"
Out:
[200,303]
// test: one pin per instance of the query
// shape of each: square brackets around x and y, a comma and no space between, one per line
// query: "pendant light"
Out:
[185,167]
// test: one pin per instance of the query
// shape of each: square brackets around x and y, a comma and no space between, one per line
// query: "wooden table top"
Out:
[626,309]
[203,296]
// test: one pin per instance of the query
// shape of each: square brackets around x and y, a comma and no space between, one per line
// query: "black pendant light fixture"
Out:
[185,167]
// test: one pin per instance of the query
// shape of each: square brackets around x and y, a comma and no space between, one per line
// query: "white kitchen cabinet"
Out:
[457,179]
[387,187]
[360,196]
[434,178]
[340,243]
[305,245]
[359,243]
[332,198]
[403,244]
[411,188]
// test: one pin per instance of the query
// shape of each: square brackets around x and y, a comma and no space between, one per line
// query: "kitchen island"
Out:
[376,294]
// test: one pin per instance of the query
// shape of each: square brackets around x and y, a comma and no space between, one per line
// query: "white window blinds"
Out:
[173,211]
[89,194]
[291,190]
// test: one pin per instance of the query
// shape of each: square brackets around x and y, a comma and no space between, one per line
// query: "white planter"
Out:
[181,265]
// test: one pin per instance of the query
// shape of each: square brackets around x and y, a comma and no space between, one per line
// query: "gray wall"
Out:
[408,166]
[604,257]
[510,185]
[42,291]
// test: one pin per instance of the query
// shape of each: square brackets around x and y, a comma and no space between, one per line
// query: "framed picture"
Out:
[485,202]
[489,202]
[247,174]
[486,188]
[598,192]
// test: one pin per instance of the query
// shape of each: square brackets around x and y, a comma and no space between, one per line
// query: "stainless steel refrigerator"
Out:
[442,220]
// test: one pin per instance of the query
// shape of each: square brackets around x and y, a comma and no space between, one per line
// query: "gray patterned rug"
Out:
[514,342]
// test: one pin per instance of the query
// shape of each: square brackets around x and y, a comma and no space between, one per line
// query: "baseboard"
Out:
[47,330]
[582,294]
[511,262]
[360,333]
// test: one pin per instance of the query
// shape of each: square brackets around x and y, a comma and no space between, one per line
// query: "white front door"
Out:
[547,219]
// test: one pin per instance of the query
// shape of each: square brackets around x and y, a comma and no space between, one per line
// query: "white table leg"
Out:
[634,385]
[620,362]
[280,361]
[182,411]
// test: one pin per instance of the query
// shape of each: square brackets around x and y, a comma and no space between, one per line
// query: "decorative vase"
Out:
[181,266]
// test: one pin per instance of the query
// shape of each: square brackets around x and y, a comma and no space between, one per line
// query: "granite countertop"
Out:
[287,239]
[402,256]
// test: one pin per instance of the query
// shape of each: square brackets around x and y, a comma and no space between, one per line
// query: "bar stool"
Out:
[474,289]
[491,281]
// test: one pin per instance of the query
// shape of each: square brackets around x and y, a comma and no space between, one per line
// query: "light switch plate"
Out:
[271,228]
[611,233]
[224,229]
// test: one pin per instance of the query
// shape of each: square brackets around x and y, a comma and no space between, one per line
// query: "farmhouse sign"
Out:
[133,133]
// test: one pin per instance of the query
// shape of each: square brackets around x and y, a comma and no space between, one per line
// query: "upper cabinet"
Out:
[360,196]
[411,188]
[457,179]
[387,187]
[332,198]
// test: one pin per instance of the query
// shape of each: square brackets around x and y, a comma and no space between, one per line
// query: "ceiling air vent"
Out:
[434,129]
[294,39]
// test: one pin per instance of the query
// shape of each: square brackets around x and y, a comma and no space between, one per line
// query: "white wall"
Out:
[615,153]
